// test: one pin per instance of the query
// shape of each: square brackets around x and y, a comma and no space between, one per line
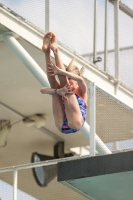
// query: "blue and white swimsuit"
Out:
[83,108]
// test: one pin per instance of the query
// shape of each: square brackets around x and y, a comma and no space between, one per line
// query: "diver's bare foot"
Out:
[53,45]
[46,41]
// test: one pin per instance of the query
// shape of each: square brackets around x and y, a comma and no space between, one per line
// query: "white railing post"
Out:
[47,15]
[92,119]
[115,145]
[15,182]
[106,37]
[116,37]
[95,32]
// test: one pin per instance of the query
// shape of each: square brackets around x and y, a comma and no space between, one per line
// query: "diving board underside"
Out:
[100,177]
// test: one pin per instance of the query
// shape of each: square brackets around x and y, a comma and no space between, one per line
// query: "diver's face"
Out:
[73,83]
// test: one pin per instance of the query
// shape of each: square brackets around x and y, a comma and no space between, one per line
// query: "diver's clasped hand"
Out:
[53,69]
[67,89]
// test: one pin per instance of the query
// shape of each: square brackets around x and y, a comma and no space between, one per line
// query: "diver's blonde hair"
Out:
[73,68]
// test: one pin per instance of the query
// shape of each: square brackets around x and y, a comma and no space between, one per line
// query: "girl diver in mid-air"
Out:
[69,97]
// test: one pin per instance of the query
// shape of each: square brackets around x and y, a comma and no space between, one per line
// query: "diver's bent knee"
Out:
[76,124]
